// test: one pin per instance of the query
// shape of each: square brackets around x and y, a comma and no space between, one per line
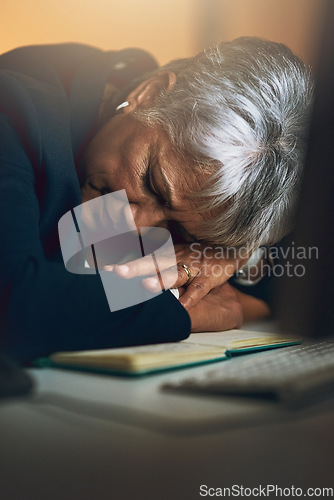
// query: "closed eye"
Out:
[175,227]
[148,182]
[149,186]
[102,191]
[179,233]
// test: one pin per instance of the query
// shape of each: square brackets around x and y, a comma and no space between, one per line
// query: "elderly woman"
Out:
[210,147]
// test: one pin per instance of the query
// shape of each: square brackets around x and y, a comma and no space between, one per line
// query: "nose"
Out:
[148,216]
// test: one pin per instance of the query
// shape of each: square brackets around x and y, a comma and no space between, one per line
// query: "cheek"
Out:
[125,173]
[87,193]
[118,177]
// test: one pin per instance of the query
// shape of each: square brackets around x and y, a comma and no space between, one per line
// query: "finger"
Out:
[174,277]
[140,267]
[196,290]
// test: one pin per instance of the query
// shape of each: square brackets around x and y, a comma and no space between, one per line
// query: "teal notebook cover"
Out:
[225,353]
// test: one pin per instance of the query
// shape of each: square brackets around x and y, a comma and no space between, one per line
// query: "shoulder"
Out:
[44,63]
[48,52]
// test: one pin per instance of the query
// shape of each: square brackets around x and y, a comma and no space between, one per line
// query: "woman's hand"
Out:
[206,267]
[219,310]
[210,267]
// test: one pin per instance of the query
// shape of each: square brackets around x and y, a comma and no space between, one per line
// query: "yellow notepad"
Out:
[198,348]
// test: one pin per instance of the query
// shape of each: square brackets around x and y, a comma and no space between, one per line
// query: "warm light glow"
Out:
[169,29]
[164,28]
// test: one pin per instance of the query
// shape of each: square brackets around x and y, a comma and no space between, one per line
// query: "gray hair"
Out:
[241,111]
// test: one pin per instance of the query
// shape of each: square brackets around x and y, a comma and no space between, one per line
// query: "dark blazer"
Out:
[49,99]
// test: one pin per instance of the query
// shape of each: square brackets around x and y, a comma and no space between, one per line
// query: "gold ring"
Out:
[187,270]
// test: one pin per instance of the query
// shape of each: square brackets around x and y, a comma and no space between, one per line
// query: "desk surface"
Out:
[91,436]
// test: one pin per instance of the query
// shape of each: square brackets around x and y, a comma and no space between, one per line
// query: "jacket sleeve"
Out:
[44,308]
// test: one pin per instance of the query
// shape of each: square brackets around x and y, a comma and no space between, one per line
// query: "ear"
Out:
[146,92]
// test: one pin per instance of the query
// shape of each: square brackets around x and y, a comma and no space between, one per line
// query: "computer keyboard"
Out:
[290,374]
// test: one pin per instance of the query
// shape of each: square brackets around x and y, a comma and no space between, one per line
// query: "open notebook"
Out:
[197,349]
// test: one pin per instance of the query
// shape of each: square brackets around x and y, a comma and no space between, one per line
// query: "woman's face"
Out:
[131,155]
